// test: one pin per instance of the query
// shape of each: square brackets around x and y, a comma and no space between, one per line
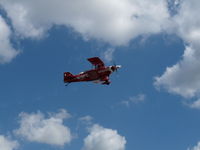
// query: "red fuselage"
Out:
[97,75]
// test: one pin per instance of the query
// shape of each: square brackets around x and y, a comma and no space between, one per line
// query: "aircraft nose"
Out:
[118,66]
[115,67]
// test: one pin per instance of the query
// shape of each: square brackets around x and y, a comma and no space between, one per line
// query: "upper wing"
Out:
[96,61]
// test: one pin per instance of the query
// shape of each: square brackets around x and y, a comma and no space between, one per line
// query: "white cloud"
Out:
[113,21]
[36,128]
[108,54]
[7,52]
[103,139]
[197,147]
[183,78]
[188,27]
[134,100]
[86,119]
[7,144]
[195,104]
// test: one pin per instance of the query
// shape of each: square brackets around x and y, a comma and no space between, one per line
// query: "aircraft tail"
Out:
[68,76]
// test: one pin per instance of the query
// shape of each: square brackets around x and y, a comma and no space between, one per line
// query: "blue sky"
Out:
[147,106]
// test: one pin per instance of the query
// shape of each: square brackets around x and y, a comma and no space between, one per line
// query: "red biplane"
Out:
[100,73]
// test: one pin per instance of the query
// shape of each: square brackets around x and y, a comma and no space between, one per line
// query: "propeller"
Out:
[115,67]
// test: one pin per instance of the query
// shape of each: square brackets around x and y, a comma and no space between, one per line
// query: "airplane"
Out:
[99,74]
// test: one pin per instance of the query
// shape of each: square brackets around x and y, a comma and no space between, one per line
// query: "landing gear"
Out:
[106,82]
[67,84]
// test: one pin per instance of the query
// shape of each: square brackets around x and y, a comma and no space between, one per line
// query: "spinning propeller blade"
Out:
[116,66]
